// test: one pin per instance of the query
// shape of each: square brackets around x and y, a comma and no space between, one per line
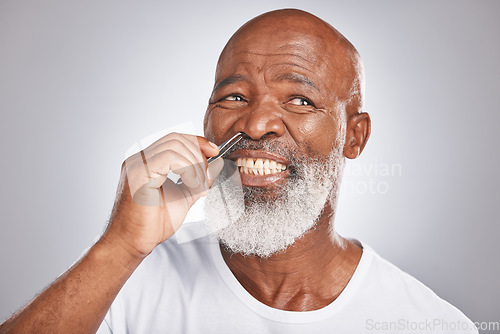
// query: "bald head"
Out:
[320,42]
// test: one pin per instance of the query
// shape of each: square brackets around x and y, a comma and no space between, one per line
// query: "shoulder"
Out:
[397,290]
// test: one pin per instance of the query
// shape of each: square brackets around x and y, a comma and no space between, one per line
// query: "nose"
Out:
[261,120]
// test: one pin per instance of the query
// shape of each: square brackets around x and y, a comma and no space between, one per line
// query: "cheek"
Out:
[217,123]
[316,134]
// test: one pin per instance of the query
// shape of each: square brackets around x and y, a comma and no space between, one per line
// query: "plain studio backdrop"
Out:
[80,82]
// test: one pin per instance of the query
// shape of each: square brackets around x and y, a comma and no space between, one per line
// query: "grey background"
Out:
[82,81]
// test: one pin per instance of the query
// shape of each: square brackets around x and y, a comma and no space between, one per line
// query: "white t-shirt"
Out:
[184,286]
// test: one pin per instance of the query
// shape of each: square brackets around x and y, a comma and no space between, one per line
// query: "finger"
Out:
[208,148]
[180,142]
[214,169]
[170,160]
[154,163]
[189,151]
[184,145]
[194,193]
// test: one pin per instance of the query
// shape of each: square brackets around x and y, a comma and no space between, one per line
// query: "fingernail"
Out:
[213,145]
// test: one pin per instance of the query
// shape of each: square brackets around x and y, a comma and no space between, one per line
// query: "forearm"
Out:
[78,300]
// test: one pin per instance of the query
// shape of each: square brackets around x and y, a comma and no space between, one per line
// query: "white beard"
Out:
[266,227]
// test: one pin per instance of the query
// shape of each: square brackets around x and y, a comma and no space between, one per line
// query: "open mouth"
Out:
[259,166]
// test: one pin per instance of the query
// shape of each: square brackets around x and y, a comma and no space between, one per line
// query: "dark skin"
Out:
[291,86]
[287,85]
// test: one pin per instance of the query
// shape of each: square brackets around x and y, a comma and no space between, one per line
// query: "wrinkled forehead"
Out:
[266,52]
[327,57]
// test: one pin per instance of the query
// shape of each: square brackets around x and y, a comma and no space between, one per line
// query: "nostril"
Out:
[257,136]
[245,135]
[268,134]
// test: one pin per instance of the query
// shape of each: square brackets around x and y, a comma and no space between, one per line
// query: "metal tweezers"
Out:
[223,149]
[226,146]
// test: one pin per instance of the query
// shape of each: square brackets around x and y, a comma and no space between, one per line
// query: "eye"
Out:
[232,101]
[300,101]
[233,98]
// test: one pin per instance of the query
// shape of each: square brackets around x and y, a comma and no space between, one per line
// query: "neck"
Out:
[308,275]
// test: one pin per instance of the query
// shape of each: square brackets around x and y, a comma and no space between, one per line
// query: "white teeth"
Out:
[259,166]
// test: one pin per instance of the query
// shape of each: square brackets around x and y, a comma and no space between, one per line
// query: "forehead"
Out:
[262,51]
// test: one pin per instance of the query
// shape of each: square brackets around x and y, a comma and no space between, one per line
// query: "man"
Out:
[293,86]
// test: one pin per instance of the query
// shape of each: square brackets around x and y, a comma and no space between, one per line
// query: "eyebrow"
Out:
[298,78]
[294,77]
[230,80]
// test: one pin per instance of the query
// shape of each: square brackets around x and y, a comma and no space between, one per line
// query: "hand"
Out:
[149,207]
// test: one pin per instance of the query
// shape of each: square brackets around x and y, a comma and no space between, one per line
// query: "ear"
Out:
[357,134]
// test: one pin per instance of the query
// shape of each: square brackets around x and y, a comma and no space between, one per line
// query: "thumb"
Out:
[213,170]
